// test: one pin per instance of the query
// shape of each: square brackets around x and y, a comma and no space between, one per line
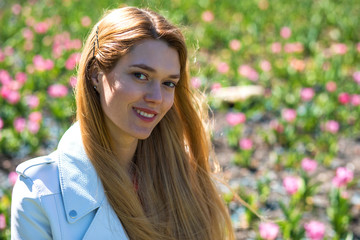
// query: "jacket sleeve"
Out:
[28,219]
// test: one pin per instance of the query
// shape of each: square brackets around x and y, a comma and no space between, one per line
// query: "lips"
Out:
[145,114]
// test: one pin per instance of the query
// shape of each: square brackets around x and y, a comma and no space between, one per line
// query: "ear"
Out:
[96,78]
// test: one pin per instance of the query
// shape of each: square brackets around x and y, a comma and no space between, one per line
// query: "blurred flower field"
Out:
[291,151]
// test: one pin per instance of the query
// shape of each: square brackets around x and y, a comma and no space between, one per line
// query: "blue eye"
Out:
[140,76]
[170,84]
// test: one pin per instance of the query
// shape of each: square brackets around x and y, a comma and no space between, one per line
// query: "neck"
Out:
[125,149]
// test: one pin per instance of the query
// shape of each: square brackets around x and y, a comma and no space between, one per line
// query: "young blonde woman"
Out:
[135,165]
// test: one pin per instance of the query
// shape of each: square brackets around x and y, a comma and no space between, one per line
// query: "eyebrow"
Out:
[150,69]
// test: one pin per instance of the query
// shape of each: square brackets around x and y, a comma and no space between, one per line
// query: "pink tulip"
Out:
[331,86]
[5,77]
[355,100]
[332,126]
[294,47]
[343,177]
[285,32]
[356,77]
[339,48]
[32,101]
[2,221]
[309,165]
[278,127]
[207,16]
[21,77]
[72,61]
[12,178]
[33,127]
[223,67]
[28,34]
[268,231]
[235,45]
[16,9]
[276,47]
[195,82]
[307,94]
[265,65]
[344,98]
[57,91]
[245,144]
[248,72]
[234,119]
[41,27]
[35,117]
[19,124]
[73,81]
[291,184]
[315,230]
[86,21]
[289,114]
[1,123]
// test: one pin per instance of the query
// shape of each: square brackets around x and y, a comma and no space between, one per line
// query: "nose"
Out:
[154,94]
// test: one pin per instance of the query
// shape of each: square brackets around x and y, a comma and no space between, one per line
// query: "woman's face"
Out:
[139,91]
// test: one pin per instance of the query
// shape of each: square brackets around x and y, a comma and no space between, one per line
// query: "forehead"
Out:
[155,54]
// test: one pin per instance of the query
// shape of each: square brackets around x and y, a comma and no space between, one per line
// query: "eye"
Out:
[140,76]
[170,84]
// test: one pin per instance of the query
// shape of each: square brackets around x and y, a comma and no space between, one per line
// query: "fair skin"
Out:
[138,93]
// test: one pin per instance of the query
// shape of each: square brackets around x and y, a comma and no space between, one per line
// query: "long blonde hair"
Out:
[176,197]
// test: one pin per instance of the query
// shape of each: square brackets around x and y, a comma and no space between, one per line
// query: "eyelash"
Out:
[168,83]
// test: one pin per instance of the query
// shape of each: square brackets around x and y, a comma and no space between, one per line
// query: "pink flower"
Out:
[293,47]
[355,100]
[9,51]
[309,165]
[285,32]
[35,117]
[223,67]
[235,45]
[2,56]
[344,98]
[291,184]
[207,16]
[315,230]
[289,114]
[195,82]
[41,27]
[332,126]
[16,9]
[343,177]
[28,34]
[215,87]
[307,94]
[265,65]
[12,178]
[21,77]
[57,91]
[356,77]
[297,64]
[331,86]
[72,61]
[13,97]
[339,48]
[234,119]
[268,231]
[278,127]
[32,101]
[85,21]
[5,77]
[358,47]
[2,221]
[33,127]
[1,123]
[19,124]
[276,47]
[248,72]
[73,81]
[245,144]
[42,64]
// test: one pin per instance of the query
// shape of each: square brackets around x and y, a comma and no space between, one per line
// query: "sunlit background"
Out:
[282,79]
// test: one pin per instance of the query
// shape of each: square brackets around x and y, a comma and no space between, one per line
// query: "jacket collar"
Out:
[80,185]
